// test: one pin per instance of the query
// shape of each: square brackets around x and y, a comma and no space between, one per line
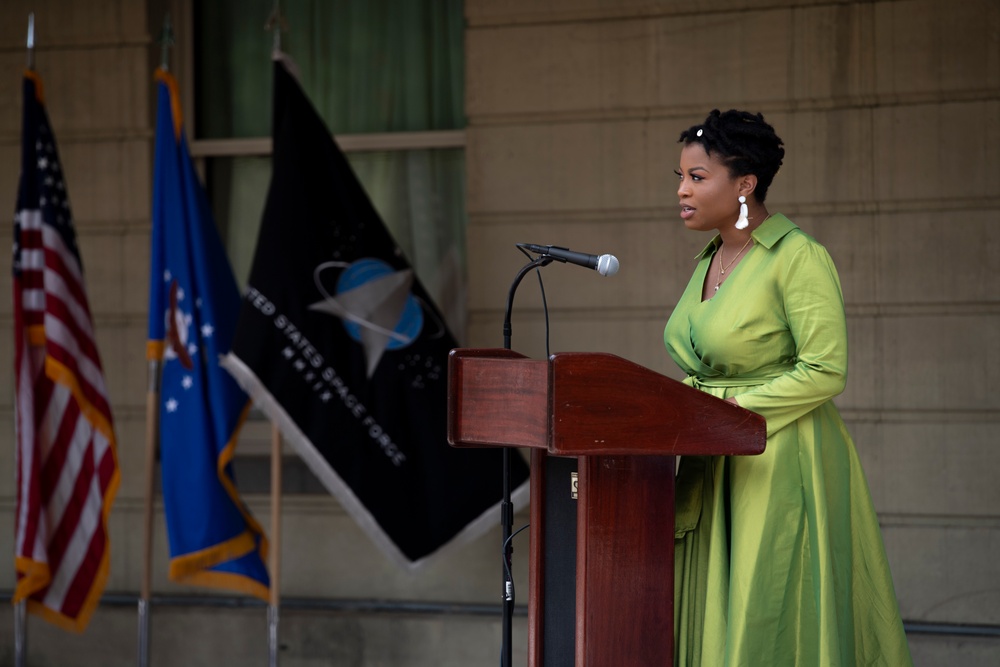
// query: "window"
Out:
[387,76]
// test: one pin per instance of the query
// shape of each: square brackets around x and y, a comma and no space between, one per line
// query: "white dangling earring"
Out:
[742,222]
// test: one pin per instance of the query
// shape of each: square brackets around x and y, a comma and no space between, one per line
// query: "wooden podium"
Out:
[601,565]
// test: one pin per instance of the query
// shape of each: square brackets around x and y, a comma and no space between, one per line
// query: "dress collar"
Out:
[769,233]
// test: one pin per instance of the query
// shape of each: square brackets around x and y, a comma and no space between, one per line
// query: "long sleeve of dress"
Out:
[814,311]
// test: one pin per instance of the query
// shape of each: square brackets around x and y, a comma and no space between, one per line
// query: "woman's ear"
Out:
[748,184]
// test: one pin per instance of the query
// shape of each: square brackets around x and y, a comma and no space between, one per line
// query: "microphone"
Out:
[606,265]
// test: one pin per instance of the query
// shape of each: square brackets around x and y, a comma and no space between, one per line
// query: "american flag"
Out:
[67,467]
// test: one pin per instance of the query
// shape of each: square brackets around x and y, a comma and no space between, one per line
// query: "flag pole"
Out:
[152,429]
[275,23]
[21,609]
[152,432]
[166,41]
[31,41]
[20,635]
[275,564]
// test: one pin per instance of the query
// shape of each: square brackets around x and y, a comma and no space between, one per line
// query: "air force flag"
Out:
[193,306]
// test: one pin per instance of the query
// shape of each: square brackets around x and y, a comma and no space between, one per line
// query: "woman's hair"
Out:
[744,142]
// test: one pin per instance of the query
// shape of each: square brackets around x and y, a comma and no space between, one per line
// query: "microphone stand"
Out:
[506,507]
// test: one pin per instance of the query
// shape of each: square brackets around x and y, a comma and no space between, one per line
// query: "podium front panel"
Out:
[625,561]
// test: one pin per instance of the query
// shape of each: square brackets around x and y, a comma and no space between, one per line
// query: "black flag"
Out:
[340,345]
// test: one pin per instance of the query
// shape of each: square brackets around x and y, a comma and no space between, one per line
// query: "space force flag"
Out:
[340,345]
[66,464]
[193,306]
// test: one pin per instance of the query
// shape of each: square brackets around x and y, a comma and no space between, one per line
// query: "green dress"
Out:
[779,557]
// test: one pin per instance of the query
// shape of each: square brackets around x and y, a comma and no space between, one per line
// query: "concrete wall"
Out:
[891,115]
[890,112]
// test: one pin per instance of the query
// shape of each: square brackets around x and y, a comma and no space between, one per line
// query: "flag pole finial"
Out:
[31,41]
[276,23]
[166,41]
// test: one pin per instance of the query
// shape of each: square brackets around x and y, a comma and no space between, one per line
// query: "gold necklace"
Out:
[722,262]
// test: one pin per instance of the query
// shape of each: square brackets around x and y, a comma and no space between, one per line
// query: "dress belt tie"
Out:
[754,380]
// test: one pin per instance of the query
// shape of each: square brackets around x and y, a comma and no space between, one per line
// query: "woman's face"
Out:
[708,194]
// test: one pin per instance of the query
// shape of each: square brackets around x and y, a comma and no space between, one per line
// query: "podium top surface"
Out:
[582,404]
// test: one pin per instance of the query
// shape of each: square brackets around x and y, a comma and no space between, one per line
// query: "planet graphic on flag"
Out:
[375,303]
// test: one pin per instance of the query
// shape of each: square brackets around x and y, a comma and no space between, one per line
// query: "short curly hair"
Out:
[745,143]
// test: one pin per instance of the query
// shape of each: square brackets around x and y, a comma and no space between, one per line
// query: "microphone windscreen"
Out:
[607,265]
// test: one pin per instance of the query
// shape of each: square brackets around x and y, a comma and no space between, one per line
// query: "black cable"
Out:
[510,576]
[506,565]
[545,303]
[545,310]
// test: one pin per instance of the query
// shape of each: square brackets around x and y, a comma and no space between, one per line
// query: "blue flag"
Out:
[193,306]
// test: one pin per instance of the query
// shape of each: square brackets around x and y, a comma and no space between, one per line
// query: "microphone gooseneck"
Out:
[506,505]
